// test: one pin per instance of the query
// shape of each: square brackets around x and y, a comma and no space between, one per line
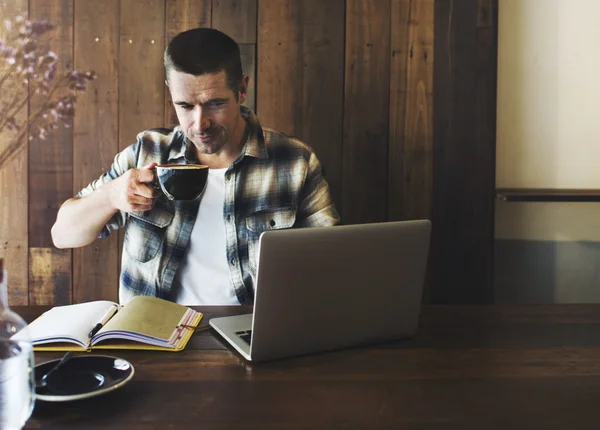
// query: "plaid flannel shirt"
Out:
[275,183]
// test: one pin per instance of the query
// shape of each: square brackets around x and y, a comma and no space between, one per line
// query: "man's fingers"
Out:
[140,208]
[147,191]
[132,191]
[150,166]
[145,175]
[138,199]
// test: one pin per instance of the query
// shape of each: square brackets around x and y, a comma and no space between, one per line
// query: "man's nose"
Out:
[202,119]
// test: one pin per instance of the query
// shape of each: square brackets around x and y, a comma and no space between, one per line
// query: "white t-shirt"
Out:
[203,275]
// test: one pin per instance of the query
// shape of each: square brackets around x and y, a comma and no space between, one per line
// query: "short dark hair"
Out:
[205,50]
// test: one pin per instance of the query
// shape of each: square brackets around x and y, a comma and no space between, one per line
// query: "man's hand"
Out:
[132,191]
[80,220]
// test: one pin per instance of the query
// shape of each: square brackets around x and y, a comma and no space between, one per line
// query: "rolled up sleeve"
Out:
[122,162]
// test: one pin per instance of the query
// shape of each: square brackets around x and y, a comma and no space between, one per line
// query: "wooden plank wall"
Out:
[354,79]
[50,173]
[14,191]
[464,150]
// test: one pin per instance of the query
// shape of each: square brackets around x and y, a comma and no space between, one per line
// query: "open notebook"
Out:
[142,323]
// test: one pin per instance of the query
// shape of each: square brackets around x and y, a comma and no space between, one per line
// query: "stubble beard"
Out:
[214,145]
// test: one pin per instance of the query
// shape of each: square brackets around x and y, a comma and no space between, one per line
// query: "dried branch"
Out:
[33,71]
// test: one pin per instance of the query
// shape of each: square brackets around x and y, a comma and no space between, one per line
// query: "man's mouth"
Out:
[207,137]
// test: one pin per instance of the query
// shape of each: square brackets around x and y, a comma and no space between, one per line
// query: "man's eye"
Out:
[216,105]
[187,107]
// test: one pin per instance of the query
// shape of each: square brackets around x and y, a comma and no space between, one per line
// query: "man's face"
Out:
[207,109]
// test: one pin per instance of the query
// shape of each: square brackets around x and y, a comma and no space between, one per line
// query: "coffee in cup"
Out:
[181,181]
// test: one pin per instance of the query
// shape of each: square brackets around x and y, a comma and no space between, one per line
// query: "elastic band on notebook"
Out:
[191,327]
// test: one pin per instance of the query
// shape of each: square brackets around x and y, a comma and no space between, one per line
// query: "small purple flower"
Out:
[30,46]
[48,59]
[9,55]
[49,74]
[11,123]
[40,27]
[24,31]
[34,72]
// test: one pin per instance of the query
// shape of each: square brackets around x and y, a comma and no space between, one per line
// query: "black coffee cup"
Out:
[180,181]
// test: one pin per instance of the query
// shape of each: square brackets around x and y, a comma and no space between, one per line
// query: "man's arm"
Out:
[80,220]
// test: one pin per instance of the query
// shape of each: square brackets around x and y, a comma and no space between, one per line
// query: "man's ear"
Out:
[243,90]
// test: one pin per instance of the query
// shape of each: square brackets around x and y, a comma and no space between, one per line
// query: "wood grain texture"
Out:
[183,15]
[411,110]
[248,54]
[467,368]
[487,16]
[13,183]
[16,262]
[96,137]
[50,276]
[236,18]
[300,77]
[322,105]
[279,71]
[366,111]
[464,151]
[51,160]
[141,70]
[141,73]
[50,169]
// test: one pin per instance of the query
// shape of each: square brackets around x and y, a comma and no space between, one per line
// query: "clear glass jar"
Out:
[17,385]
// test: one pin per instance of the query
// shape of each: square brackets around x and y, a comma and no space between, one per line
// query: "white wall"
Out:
[548,94]
[548,136]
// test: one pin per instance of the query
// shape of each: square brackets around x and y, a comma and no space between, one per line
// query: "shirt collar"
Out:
[255,141]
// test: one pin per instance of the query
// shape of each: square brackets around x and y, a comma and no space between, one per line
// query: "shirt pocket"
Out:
[259,222]
[145,233]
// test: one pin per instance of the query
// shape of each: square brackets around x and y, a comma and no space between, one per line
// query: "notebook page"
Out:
[147,316]
[74,322]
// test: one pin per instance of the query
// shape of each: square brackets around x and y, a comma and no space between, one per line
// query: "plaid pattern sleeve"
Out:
[123,161]
[316,207]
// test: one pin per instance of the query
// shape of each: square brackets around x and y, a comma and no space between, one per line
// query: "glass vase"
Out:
[17,386]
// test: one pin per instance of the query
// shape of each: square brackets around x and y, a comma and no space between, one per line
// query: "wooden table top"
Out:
[477,367]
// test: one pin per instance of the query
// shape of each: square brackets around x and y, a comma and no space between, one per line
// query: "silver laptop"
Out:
[327,288]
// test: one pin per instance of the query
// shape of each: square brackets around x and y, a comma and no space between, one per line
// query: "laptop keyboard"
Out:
[246,335]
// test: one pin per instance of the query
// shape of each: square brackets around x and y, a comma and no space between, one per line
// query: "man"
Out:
[200,252]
